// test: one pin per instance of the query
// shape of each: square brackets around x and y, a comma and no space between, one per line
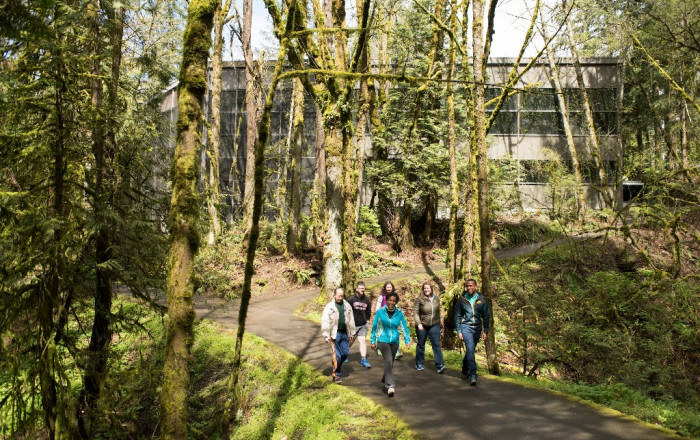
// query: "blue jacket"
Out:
[388,328]
[476,316]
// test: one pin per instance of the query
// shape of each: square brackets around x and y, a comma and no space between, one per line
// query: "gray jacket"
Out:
[426,311]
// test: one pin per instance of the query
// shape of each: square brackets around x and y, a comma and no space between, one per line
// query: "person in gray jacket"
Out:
[338,329]
[426,317]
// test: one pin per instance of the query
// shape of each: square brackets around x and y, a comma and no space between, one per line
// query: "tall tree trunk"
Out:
[604,189]
[253,96]
[405,238]
[573,153]
[452,151]
[471,242]
[97,351]
[479,59]
[297,136]
[215,138]
[430,213]
[363,119]
[50,295]
[184,209]
[333,246]
[318,194]
[258,190]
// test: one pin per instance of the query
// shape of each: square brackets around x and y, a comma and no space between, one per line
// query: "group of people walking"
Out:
[344,321]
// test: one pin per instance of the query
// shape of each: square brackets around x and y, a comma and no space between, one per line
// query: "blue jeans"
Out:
[432,332]
[342,351]
[471,337]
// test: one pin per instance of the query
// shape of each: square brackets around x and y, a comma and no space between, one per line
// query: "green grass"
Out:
[669,414]
[278,394]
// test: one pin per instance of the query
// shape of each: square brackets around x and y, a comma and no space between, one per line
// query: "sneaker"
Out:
[364,363]
[346,361]
[419,367]
[379,353]
[472,381]
[390,392]
[441,369]
[337,379]
[398,355]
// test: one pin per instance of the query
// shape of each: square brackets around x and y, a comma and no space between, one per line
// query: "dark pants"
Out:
[388,352]
[432,332]
[341,347]
[471,337]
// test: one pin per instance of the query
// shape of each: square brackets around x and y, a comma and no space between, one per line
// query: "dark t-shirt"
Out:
[341,318]
[361,308]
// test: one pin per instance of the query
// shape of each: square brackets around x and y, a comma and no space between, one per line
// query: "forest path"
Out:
[435,406]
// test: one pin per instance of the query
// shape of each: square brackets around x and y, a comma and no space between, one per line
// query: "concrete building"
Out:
[527,134]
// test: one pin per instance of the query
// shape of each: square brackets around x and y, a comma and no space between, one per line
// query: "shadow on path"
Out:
[436,406]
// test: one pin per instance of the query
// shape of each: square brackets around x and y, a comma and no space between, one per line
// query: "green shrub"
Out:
[596,325]
[368,222]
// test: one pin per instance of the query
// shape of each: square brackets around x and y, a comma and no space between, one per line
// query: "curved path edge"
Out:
[435,406]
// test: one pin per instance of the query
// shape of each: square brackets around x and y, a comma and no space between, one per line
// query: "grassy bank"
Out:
[607,318]
[278,394]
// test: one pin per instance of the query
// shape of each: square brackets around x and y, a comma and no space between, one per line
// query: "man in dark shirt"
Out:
[471,317]
[362,312]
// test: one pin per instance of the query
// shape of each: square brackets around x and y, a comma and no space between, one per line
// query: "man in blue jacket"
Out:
[471,317]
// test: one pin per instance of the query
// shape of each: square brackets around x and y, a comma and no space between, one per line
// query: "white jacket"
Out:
[330,318]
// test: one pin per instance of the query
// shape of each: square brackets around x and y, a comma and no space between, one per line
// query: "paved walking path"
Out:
[436,406]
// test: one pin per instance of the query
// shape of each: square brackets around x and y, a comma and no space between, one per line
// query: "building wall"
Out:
[528,130]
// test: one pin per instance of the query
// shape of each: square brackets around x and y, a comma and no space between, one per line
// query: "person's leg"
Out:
[476,335]
[434,334]
[342,349]
[363,346]
[420,347]
[362,340]
[334,360]
[469,362]
[388,353]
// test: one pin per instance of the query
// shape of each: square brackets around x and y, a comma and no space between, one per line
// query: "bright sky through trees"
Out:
[512,20]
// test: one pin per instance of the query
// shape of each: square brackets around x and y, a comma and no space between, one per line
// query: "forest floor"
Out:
[436,406]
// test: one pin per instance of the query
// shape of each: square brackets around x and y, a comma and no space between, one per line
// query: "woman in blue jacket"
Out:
[385,334]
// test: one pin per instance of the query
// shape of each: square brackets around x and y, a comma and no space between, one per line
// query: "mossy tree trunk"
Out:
[452,151]
[318,193]
[103,148]
[297,138]
[262,137]
[573,153]
[220,19]
[184,210]
[253,104]
[603,189]
[479,58]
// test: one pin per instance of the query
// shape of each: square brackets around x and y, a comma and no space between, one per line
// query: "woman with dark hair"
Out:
[426,317]
[381,302]
[385,335]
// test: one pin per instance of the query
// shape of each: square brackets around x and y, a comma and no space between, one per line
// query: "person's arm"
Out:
[378,304]
[351,322]
[458,317]
[406,334]
[368,311]
[416,314]
[373,335]
[326,324]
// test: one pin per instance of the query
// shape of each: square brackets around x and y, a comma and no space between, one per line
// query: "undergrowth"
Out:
[278,394]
